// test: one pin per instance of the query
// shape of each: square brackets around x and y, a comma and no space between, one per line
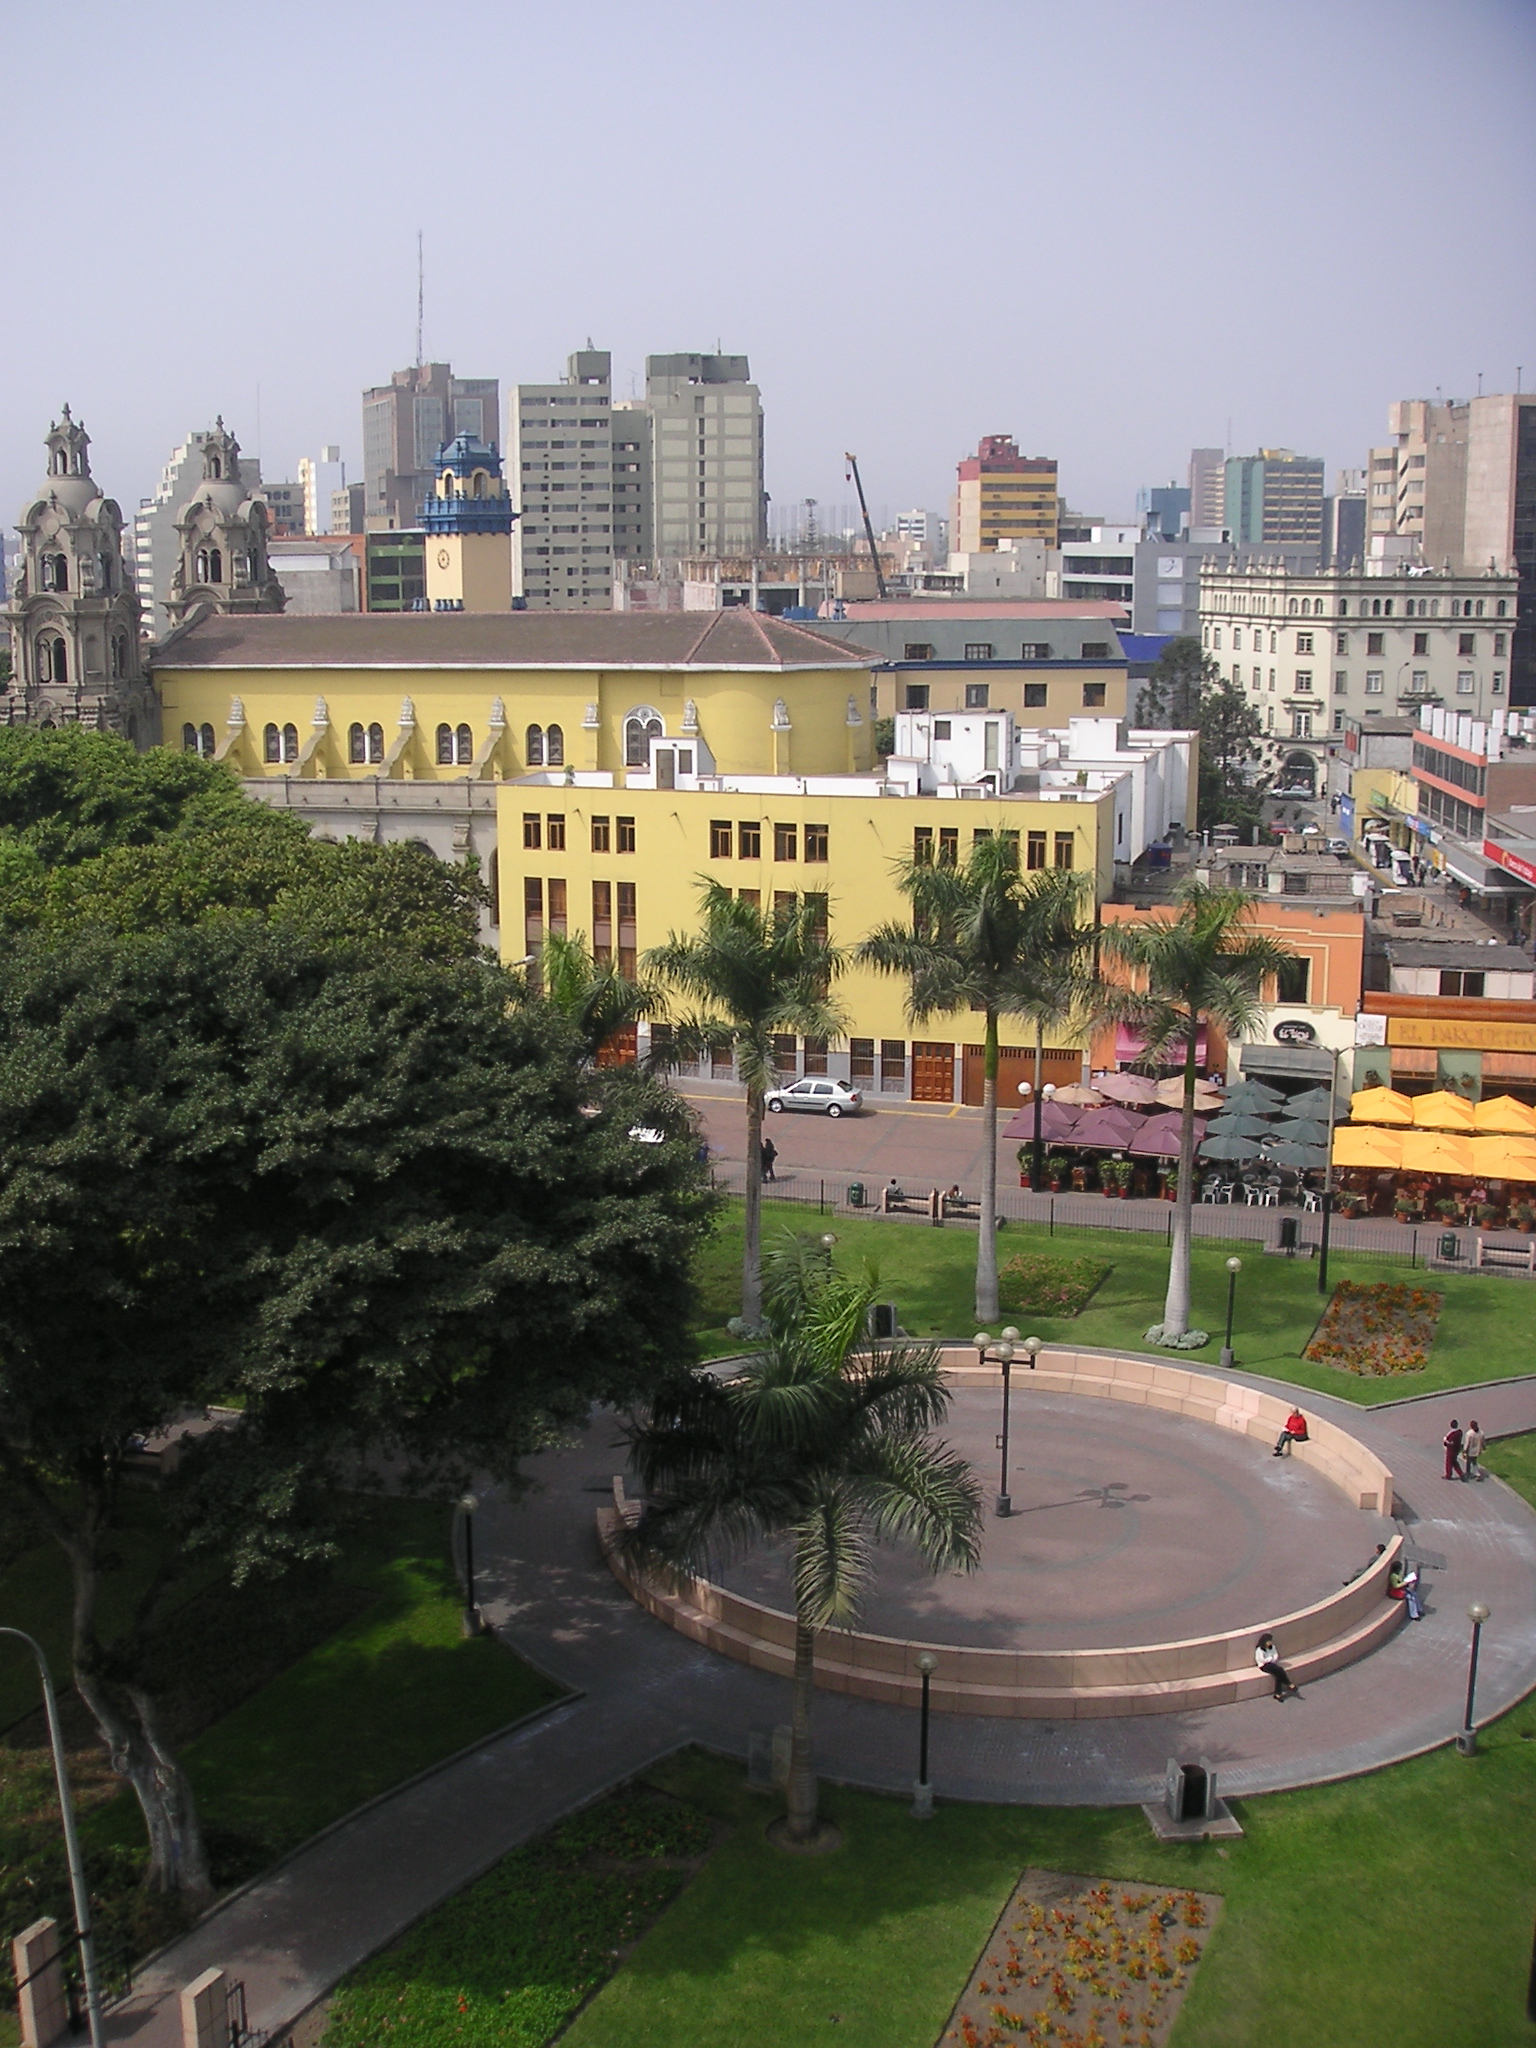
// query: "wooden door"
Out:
[933,1071]
[1061,1066]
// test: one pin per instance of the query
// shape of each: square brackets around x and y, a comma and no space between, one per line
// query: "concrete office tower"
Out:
[706,491]
[1163,511]
[1001,494]
[285,508]
[1344,535]
[405,422]
[320,478]
[347,509]
[468,521]
[1207,490]
[1275,499]
[156,543]
[562,457]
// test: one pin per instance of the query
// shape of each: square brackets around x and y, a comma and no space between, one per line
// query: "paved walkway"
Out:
[645,1690]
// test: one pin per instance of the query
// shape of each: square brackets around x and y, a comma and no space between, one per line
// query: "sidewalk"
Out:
[645,1691]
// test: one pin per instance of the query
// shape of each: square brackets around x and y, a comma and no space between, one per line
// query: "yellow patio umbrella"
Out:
[1500,1158]
[1442,1111]
[1381,1106]
[1504,1113]
[1436,1152]
[1367,1145]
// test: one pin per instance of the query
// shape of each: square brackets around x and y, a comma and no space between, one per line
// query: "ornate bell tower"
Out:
[74,613]
[223,565]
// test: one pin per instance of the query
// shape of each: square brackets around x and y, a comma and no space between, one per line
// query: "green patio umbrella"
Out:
[1307,1157]
[1252,1098]
[1314,1102]
[1229,1148]
[1301,1130]
[1225,1126]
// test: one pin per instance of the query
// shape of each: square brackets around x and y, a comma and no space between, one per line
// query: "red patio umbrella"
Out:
[1108,1129]
[1158,1137]
[1058,1122]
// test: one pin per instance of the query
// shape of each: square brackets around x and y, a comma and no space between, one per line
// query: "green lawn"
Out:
[1487,1329]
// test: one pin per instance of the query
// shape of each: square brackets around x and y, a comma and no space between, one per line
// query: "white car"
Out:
[822,1097]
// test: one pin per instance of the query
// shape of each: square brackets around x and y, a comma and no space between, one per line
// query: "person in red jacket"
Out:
[1452,1442]
[1294,1432]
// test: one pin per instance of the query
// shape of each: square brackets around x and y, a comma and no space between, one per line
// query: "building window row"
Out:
[1036,696]
[280,746]
[748,839]
[365,745]
[544,746]
[539,830]
[948,846]
[198,740]
[613,835]
[455,746]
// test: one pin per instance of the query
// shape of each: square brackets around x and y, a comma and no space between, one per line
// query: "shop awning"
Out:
[1381,1106]
[1442,1111]
[1436,1152]
[1499,1158]
[1367,1145]
[1504,1113]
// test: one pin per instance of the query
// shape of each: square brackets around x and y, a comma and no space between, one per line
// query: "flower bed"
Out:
[1377,1330]
[1075,1964]
[1034,1284]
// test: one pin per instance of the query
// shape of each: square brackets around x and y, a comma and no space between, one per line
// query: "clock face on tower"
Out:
[443,558]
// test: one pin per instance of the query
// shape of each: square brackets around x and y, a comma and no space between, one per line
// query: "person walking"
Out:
[769,1153]
[1472,1441]
[1267,1657]
[1452,1441]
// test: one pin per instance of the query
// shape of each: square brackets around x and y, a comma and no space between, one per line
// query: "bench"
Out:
[897,1202]
[1509,1258]
[628,1511]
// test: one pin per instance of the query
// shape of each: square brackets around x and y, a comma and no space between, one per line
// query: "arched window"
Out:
[1455,607]
[189,739]
[375,743]
[357,745]
[555,744]
[271,745]
[207,743]
[1499,609]
[215,467]
[52,660]
[290,743]
[1292,607]
[1387,609]
[1479,607]
[640,728]
[1375,607]
[1434,607]
[479,490]
[533,746]
[445,746]
[119,655]
[202,565]
[215,566]
[57,463]
[104,573]
[1343,607]
[466,746]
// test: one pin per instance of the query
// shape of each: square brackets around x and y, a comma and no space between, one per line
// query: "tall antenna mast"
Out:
[420,298]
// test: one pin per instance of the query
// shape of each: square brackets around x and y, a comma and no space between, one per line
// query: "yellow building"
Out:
[599,764]
[468,523]
[624,866]
[1001,494]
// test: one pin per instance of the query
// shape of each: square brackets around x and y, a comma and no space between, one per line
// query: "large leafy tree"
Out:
[1205,964]
[824,1439]
[1186,689]
[366,1197]
[986,937]
[750,976]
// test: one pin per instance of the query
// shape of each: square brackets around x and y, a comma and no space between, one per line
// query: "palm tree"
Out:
[986,937]
[598,1000]
[754,975]
[822,1438]
[1205,964]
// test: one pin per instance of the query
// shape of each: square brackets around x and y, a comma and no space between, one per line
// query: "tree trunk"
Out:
[986,1237]
[752,1240]
[1176,1306]
[1037,1157]
[802,1821]
[137,1747]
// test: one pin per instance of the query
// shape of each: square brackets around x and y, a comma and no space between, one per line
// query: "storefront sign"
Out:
[1470,1032]
[1294,1031]
[1510,862]
[1370,1030]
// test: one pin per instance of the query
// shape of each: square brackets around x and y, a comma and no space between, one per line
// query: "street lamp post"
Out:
[1037,1150]
[922,1791]
[1466,1741]
[472,1623]
[1234,1267]
[1000,1354]
[1333,1106]
[77,1887]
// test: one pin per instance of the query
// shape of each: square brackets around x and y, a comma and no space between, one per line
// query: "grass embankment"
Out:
[1484,1331]
[293,1704]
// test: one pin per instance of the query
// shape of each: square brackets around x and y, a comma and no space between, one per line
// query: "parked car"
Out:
[817,1094]
[1339,846]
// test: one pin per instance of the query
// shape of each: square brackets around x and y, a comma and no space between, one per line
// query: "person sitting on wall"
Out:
[1294,1432]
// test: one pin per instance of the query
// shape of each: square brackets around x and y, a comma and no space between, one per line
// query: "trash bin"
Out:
[1450,1245]
[855,1194]
[1288,1236]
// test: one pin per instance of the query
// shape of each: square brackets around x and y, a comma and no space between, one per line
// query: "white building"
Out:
[320,478]
[1311,650]
[156,543]
[318,575]
[1103,566]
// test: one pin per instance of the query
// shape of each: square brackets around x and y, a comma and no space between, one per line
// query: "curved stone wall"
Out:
[1071,1684]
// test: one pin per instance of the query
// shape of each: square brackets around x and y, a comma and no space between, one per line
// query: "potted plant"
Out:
[1116,1174]
[1405,1205]
[1447,1208]
[1170,1184]
[1056,1170]
[1523,1216]
[1487,1215]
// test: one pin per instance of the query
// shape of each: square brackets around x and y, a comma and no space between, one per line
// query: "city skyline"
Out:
[902,318]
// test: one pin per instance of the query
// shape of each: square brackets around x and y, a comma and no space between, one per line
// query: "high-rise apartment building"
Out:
[347,509]
[1001,494]
[561,463]
[320,478]
[405,422]
[156,543]
[1345,521]
[701,473]
[1207,489]
[1275,499]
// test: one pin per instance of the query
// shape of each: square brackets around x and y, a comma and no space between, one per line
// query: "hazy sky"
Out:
[1112,230]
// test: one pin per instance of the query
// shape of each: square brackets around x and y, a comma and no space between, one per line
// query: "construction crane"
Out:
[869,531]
